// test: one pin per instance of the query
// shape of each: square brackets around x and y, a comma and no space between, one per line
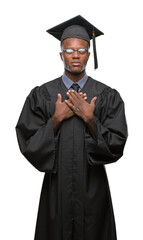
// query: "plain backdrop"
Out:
[29,57]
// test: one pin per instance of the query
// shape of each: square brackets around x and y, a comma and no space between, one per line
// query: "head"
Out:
[74,63]
[77,28]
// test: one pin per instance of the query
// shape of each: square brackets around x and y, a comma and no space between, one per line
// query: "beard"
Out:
[75,71]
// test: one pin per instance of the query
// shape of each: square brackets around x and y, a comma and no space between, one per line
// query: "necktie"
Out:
[75,86]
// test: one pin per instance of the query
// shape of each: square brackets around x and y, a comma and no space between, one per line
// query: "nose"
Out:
[75,54]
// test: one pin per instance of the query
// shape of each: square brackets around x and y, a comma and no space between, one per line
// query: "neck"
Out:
[75,77]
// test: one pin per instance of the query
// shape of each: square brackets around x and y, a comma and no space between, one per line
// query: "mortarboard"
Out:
[77,27]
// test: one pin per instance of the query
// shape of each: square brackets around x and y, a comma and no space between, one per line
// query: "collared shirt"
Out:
[68,82]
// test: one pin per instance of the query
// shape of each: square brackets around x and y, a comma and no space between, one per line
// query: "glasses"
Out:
[81,51]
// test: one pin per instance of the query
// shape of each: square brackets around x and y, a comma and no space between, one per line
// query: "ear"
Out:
[61,55]
[88,55]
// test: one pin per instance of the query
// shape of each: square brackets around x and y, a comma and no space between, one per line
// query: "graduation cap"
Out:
[77,27]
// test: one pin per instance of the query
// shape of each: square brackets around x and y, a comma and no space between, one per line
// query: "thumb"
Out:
[59,98]
[93,100]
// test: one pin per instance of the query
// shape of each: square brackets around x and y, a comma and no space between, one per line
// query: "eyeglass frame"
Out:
[86,51]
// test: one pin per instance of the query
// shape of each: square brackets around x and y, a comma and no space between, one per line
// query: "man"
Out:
[69,128]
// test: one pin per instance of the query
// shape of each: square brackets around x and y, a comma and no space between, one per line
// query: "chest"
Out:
[89,89]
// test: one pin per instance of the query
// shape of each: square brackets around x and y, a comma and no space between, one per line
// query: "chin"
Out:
[76,71]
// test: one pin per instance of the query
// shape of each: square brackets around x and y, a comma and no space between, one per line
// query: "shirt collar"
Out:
[68,82]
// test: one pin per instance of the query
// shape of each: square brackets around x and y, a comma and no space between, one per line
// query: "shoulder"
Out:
[99,86]
[103,89]
[106,95]
[43,91]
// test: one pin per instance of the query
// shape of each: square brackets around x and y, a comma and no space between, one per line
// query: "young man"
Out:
[69,128]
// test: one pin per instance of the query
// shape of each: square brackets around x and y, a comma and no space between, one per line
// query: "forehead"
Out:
[74,43]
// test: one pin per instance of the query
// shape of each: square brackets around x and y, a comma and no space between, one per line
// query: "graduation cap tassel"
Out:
[94,51]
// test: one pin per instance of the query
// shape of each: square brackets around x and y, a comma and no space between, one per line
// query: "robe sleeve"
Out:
[110,129]
[35,133]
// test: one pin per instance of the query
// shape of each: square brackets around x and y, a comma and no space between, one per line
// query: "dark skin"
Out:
[72,71]
[74,66]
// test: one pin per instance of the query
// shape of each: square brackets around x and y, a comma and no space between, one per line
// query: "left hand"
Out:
[80,107]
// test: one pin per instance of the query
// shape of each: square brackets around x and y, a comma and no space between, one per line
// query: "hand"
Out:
[62,111]
[80,107]
[83,95]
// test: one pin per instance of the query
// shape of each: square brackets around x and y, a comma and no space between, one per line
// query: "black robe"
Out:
[75,202]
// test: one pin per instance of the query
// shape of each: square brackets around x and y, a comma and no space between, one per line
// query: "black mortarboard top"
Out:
[77,27]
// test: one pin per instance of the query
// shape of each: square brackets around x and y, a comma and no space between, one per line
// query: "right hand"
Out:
[62,111]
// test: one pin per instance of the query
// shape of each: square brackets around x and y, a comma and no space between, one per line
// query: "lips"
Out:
[76,63]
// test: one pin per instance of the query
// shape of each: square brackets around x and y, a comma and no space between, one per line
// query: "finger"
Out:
[71,97]
[83,95]
[93,100]
[73,108]
[69,100]
[75,95]
[69,104]
[59,98]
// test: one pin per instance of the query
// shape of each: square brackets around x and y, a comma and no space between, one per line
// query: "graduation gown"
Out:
[75,202]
